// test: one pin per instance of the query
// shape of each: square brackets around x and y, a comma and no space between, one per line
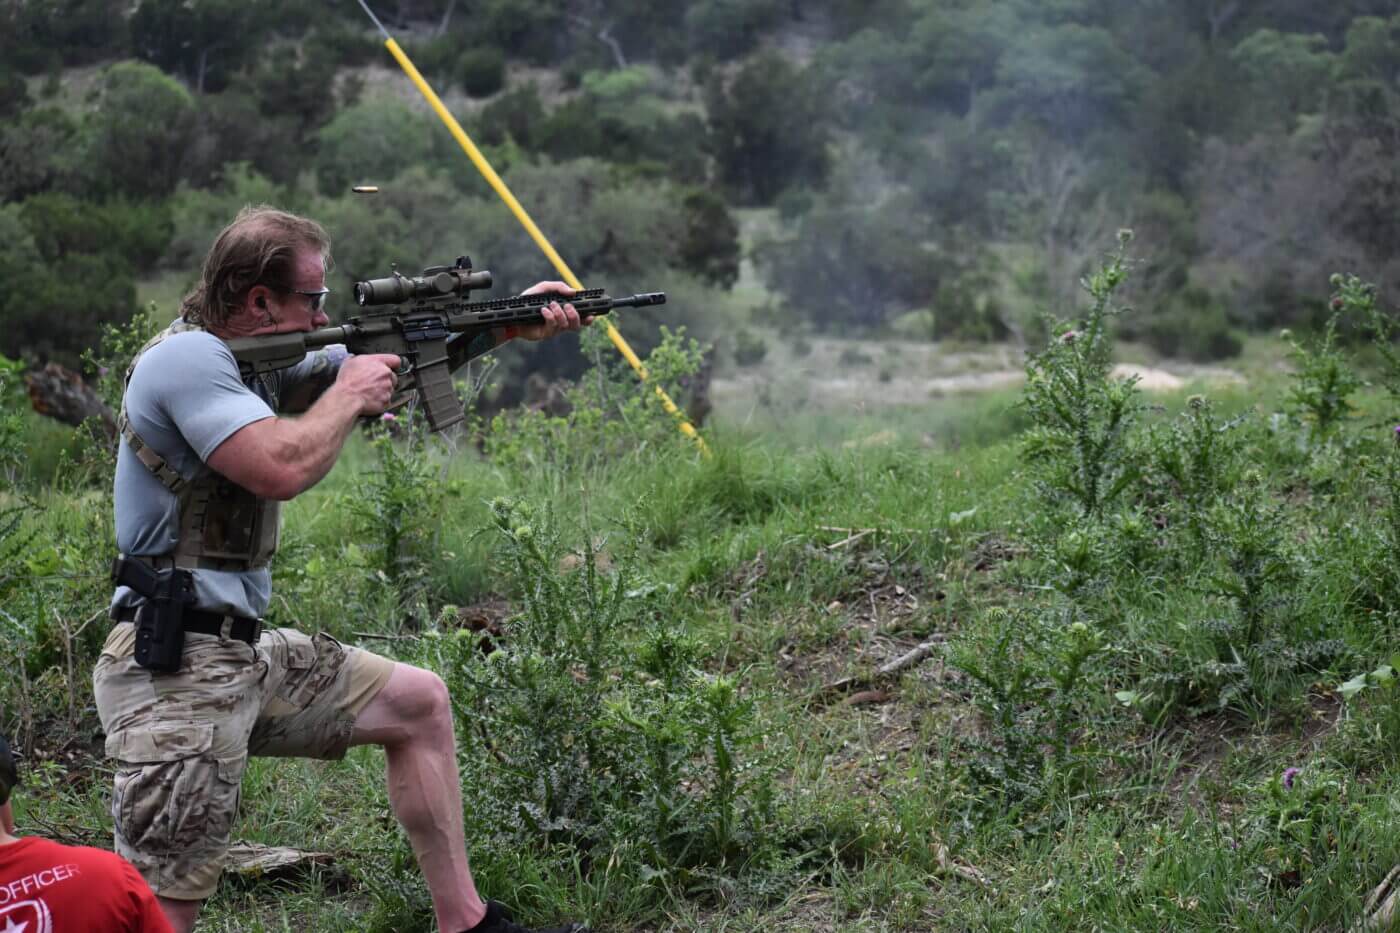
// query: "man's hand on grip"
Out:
[371,379]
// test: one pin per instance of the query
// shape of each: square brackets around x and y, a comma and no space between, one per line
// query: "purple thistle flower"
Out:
[1288,775]
[388,416]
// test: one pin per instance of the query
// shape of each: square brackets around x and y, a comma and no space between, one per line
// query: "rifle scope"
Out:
[435,282]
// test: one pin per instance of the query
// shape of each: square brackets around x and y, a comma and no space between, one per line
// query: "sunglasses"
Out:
[316,299]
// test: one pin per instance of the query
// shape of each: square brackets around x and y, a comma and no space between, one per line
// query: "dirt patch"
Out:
[488,617]
[882,617]
[1214,741]
[993,551]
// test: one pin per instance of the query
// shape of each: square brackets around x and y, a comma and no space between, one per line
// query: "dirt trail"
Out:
[887,373]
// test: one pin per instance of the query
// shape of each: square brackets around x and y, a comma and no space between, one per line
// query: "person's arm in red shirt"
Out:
[146,915]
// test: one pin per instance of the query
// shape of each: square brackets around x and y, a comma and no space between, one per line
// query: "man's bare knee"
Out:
[425,699]
[413,704]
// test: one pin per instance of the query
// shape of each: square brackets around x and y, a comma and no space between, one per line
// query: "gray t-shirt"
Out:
[185,398]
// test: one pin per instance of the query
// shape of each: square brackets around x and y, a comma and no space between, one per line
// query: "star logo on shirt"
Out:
[12,927]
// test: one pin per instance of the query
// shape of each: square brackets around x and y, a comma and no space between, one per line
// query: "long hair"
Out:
[259,247]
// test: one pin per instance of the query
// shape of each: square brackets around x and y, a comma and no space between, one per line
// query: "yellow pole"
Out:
[536,234]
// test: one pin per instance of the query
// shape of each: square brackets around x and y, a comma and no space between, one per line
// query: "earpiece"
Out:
[262,303]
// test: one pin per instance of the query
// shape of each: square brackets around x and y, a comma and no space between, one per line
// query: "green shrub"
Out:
[374,140]
[481,71]
[516,115]
[608,417]
[1194,327]
[749,348]
[141,132]
[136,232]
[854,356]
[397,504]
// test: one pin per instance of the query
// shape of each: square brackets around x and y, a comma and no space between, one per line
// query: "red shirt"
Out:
[50,888]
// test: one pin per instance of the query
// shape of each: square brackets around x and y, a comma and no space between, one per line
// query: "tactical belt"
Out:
[206,623]
[165,562]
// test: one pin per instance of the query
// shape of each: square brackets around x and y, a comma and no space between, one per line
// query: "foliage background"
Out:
[910,151]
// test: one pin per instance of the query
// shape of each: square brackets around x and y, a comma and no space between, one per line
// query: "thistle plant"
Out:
[1324,379]
[1357,300]
[587,721]
[1083,416]
[397,503]
[1028,677]
[1247,532]
[1199,455]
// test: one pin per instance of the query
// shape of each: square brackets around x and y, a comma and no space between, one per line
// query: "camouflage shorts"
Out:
[181,740]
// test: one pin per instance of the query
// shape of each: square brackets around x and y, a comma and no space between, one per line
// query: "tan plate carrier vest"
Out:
[222,525]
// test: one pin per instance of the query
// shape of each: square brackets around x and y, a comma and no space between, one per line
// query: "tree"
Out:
[141,131]
[59,313]
[233,128]
[768,129]
[533,29]
[1064,205]
[729,28]
[1070,80]
[198,214]
[710,250]
[64,227]
[67,32]
[481,71]
[204,40]
[621,116]
[1287,73]
[960,50]
[14,93]
[43,150]
[851,265]
[374,140]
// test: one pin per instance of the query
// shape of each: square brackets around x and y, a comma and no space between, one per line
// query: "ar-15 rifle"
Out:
[413,317]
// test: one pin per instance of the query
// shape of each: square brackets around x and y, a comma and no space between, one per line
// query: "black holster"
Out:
[160,630]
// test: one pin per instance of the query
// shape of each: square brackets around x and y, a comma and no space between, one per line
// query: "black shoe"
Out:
[499,920]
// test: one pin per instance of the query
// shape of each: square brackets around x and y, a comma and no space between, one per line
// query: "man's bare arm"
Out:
[279,458]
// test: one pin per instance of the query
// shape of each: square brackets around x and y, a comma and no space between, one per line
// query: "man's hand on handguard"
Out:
[371,379]
[557,318]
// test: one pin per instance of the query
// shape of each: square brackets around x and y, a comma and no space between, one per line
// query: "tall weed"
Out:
[1027,670]
[587,725]
[1248,532]
[1324,379]
[398,506]
[1358,300]
[1078,449]
[1198,457]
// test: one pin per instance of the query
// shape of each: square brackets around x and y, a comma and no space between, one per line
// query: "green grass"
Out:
[796,556]
[165,291]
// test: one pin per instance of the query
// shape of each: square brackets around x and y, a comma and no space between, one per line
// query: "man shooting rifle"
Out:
[189,684]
